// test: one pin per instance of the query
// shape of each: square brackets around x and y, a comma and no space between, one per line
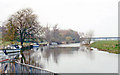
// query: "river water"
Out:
[72,58]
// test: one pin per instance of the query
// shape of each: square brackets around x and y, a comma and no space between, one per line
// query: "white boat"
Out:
[3,57]
[44,44]
[35,45]
[53,44]
[12,48]
[8,57]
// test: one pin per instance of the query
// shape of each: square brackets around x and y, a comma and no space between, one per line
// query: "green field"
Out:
[111,46]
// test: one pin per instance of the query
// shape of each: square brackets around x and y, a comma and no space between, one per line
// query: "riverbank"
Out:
[110,46]
[2,44]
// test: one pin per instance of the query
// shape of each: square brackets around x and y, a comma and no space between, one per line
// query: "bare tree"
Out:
[82,37]
[55,33]
[86,37]
[48,36]
[89,36]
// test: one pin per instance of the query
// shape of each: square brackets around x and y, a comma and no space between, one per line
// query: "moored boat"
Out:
[53,44]
[35,45]
[44,44]
[12,48]
[3,57]
[7,57]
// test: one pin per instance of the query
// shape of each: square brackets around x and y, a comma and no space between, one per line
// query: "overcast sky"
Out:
[101,16]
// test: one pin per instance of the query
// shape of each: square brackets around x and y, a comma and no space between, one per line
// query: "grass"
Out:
[111,46]
[2,44]
[12,42]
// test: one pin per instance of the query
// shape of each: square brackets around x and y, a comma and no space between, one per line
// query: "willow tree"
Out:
[24,24]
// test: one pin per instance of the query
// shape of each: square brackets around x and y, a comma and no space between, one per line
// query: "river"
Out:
[72,58]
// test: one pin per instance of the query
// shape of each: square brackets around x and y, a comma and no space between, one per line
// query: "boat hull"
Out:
[6,51]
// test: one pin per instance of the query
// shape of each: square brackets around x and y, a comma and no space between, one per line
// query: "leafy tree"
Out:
[23,24]
[69,33]
[58,35]
[68,38]
[11,32]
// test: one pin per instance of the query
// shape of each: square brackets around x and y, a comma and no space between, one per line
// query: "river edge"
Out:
[88,45]
[101,49]
[110,46]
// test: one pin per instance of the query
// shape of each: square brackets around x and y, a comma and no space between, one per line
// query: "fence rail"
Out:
[16,67]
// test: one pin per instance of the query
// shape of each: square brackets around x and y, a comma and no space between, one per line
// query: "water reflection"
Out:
[87,51]
[15,68]
[72,59]
[80,59]
[38,56]
[21,57]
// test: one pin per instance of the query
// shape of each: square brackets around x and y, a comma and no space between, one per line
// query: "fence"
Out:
[15,67]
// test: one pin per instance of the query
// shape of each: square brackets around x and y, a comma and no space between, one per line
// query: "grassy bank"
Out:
[109,46]
[12,42]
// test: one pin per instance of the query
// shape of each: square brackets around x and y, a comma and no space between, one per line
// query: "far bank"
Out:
[111,46]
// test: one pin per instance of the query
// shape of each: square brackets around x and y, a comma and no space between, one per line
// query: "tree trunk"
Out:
[21,38]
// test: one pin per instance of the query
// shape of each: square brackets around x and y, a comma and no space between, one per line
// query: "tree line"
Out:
[61,36]
[24,25]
